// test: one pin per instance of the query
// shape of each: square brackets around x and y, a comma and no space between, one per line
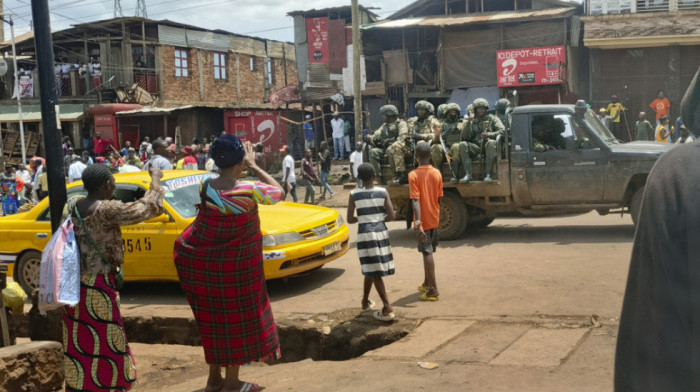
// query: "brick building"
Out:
[638,47]
[188,78]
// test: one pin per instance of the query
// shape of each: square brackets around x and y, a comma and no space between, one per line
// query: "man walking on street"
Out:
[425,187]
[288,176]
[324,157]
[338,134]
[308,175]
[643,128]
[308,134]
[160,150]
[661,106]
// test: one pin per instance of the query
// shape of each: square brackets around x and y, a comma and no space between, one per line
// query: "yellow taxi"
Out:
[296,237]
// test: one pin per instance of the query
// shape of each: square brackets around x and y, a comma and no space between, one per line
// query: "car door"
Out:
[572,173]
[148,246]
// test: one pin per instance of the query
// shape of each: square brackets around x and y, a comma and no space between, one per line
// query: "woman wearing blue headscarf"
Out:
[219,261]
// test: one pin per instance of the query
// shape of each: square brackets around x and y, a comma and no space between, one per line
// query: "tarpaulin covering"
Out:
[470,56]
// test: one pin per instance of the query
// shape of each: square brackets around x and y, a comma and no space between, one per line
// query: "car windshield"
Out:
[598,127]
[182,194]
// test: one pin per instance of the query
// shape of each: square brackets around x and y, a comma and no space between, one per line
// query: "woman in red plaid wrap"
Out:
[219,261]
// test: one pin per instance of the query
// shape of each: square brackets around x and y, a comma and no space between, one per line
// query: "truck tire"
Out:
[453,218]
[483,222]
[636,205]
[28,271]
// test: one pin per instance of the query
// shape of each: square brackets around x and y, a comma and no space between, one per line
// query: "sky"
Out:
[261,18]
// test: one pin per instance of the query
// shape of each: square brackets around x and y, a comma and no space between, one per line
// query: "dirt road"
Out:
[507,285]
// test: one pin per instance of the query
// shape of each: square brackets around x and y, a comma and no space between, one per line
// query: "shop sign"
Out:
[317,38]
[531,66]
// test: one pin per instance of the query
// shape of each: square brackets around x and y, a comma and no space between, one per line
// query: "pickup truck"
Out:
[589,170]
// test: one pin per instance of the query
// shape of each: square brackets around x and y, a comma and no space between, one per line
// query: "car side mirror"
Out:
[162,218]
[570,144]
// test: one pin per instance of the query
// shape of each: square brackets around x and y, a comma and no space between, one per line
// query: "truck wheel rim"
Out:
[446,217]
[30,272]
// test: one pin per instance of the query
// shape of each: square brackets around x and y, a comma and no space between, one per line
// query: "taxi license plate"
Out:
[332,248]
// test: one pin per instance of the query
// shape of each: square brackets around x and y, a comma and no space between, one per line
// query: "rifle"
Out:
[447,155]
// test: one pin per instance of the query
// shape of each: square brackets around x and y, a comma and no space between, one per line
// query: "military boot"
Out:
[467,170]
[489,170]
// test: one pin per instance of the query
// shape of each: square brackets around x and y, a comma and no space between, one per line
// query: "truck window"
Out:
[548,132]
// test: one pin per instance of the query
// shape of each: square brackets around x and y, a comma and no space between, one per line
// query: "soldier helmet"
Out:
[470,108]
[501,105]
[425,105]
[441,110]
[481,103]
[453,106]
[389,110]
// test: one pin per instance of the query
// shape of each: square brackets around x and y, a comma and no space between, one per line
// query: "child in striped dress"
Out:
[374,208]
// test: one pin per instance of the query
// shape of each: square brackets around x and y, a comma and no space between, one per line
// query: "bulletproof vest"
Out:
[390,132]
[423,126]
[451,131]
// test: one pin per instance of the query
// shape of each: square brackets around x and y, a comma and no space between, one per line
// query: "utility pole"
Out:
[356,70]
[49,116]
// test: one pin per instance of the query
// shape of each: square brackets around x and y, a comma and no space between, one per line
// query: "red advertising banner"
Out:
[283,95]
[317,38]
[531,66]
[257,126]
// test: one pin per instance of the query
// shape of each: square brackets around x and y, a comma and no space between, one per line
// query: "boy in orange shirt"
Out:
[425,184]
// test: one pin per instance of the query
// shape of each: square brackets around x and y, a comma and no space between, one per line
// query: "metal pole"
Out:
[49,103]
[18,92]
[356,69]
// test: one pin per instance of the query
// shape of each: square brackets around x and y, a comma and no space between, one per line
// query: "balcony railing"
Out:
[147,80]
[688,5]
[652,5]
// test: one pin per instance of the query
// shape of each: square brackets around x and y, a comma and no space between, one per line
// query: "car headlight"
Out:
[339,221]
[282,239]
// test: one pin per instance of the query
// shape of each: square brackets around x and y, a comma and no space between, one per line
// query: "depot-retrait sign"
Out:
[531,66]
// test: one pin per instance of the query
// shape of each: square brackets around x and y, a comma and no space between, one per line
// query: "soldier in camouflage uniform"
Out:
[453,133]
[482,133]
[502,106]
[391,139]
[424,126]
[441,112]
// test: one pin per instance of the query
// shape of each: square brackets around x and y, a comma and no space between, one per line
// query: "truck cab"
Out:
[554,160]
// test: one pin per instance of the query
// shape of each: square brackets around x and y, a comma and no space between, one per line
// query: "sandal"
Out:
[248,387]
[384,317]
[422,288]
[369,307]
[426,297]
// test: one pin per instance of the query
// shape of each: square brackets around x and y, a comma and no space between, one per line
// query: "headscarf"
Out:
[227,151]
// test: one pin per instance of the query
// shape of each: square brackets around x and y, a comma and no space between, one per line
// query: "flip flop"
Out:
[425,297]
[381,317]
[369,307]
[248,387]
[421,288]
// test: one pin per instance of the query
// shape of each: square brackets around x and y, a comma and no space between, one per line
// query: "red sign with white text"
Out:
[531,66]
[317,38]
[257,126]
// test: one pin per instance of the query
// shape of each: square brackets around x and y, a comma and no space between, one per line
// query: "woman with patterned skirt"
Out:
[219,261]
[96,353]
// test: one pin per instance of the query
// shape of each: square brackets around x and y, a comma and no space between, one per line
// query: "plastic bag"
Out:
[69,288]
[51,273]
[14,297]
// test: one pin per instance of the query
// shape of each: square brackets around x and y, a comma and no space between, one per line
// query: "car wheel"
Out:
[453,218]
[28,271]
[636,205]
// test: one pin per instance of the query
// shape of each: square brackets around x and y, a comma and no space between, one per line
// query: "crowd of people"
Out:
[663,131]
[22,186]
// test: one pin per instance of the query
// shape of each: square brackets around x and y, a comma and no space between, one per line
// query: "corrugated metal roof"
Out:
[32,113]
[464,19]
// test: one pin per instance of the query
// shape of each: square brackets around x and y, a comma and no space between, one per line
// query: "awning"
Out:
[474,18]
[32,113]
[151,111]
